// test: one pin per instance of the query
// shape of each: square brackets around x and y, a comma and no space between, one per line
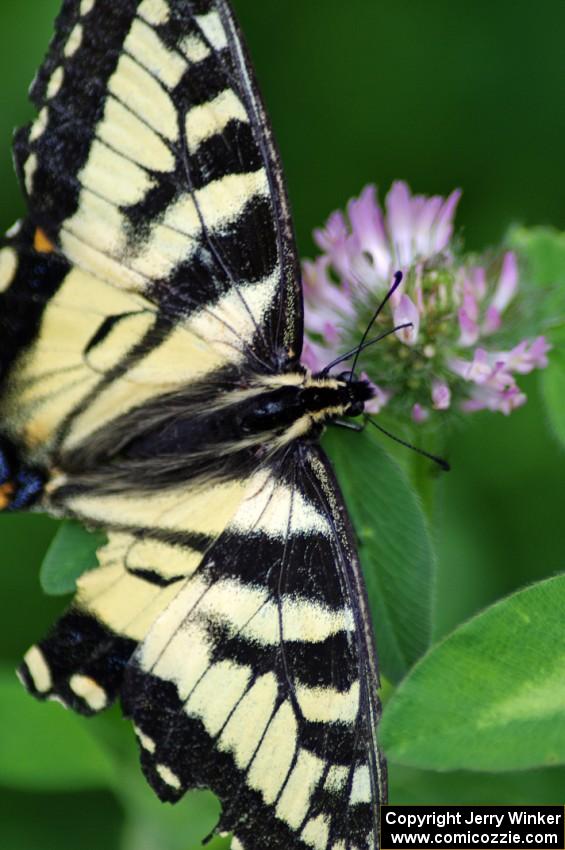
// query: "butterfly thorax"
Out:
[303,403]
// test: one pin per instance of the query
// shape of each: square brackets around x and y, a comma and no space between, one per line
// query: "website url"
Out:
[486,839]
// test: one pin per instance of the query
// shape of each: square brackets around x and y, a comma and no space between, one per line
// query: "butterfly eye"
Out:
[356,408]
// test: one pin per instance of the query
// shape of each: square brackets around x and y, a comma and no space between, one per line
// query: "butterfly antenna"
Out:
[440,461]
[397,281]
[359,348]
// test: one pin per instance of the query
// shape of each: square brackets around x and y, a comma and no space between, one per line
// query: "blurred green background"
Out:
[443,93]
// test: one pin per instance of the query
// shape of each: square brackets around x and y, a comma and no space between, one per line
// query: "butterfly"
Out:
[151,386]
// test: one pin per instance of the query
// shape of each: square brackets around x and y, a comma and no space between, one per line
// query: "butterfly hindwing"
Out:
[272,622]
[82,661]
[155,543]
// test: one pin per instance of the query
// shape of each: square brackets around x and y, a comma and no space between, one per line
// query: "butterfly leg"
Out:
[350,426]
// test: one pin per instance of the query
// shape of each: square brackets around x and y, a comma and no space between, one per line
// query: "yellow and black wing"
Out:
[275,622]
[158,239]
[150,293]
[254,669]
[151,164]
[157,256]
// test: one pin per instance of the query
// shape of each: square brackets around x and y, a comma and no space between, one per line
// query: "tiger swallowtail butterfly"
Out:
[151,386]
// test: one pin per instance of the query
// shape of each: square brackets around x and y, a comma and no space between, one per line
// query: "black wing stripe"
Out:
[310,669]
[207,274]
[202,82]
[317,700]
[309,577]
[31,280]
[61,81]
[233,151]
[153,337]
[255,263]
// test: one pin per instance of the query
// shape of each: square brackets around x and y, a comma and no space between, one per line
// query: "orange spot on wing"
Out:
[6,492]
[42,243]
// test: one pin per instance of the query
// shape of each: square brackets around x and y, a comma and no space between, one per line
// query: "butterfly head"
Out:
[356,392]
[330,397]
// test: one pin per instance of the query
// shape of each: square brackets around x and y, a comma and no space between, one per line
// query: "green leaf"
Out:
[544,252]
[411,787]
[43,747]
[553,386]
[90,820]
[149,825]
[492,695]
[71,553]
[152,826]
[394,546]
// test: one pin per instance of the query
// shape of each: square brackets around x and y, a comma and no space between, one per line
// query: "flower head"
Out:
[367,247]
[449,353]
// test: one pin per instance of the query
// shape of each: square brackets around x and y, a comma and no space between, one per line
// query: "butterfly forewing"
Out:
[149,298]
[152,166]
